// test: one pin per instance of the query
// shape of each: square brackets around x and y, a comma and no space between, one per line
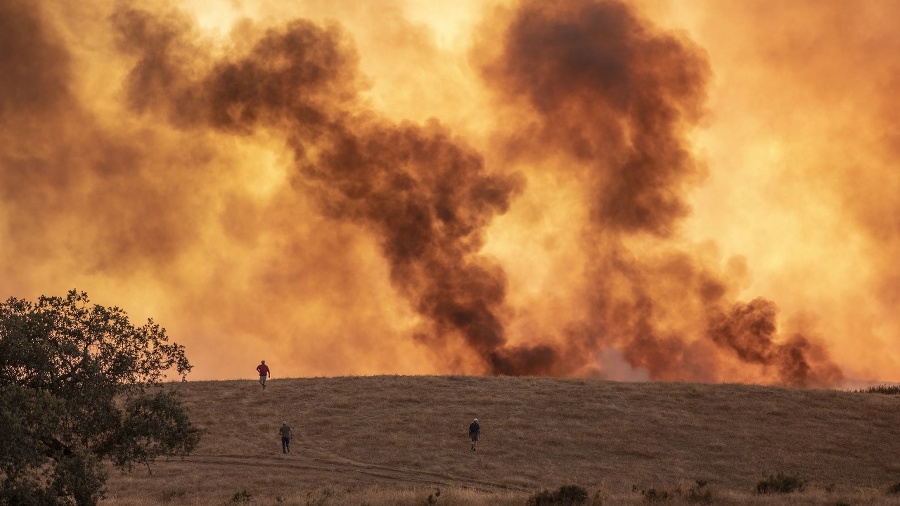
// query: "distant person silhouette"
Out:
[474,432]
[286,435]
[263,371]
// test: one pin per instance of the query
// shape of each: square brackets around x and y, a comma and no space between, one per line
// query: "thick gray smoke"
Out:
[606,101]
[617,96]
[426,196]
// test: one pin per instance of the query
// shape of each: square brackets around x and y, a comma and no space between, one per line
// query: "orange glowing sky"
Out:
[699,191]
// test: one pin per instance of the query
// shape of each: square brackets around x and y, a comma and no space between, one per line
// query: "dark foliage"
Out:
[883,389]
[780,484]
[654,495]
[242,496]
[699,494]
[567,495]
[79,384]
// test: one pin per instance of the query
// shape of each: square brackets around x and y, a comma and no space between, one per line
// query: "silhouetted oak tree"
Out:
[79,384]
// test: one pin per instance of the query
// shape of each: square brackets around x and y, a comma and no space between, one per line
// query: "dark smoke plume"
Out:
[429,200]
[146,181]
[749,330]
[617,96]
[35,66]
[614,93]
[425,195]
[34,75]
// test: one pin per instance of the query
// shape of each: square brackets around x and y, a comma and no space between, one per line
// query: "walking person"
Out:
[264,373]
[474,432]
[286,435]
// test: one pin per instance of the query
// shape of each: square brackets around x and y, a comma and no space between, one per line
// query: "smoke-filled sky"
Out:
[694,191]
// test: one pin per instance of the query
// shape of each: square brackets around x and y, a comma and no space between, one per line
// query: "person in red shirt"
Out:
[264,373]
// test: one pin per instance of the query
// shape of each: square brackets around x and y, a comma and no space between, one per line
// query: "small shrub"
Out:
[567,495]
[654,495]
[699,494]
[242,496]
[894,489]
[174,495]
[432,498]
[883,389]
[780,484]
[544,498]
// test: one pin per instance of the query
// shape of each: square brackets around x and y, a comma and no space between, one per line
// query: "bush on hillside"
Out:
[883,389]
[567,495]
[780,484]
[699,494]
[654,495]
[242,496]
[695,494]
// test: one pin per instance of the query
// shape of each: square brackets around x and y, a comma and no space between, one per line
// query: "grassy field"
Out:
[403,440]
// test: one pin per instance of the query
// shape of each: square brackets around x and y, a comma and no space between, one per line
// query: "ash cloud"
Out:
[153,185]
[614,93]
[617,96]
[35,66]
[750,331]
[425,195]
[75,190]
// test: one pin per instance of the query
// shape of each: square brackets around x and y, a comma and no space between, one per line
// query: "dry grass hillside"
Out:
[398,440]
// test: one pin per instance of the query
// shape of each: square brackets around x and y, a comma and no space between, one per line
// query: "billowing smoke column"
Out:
[612,93]
[616,96]
[426,196]
[599,98]
[749,330]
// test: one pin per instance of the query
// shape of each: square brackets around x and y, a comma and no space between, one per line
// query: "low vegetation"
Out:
[567,495]
[392,440]
[780,483]
[699,493]
[883,389]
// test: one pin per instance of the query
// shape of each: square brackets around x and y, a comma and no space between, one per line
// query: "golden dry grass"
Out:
[397,440]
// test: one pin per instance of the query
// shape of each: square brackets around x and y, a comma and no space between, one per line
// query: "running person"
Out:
[264,373]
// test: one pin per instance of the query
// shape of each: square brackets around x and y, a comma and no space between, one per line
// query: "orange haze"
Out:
[700,191]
